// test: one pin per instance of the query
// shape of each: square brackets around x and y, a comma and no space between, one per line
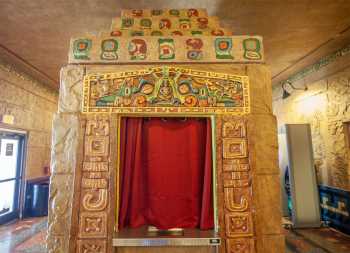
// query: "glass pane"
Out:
[6,200]
[8,158]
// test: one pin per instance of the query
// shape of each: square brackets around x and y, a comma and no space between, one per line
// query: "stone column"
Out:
[64,159]
[263,155]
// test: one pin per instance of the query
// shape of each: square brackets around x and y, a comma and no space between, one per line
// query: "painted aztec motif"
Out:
[165,23]
[182,13]
[170,32]
[168,90]
[154,49]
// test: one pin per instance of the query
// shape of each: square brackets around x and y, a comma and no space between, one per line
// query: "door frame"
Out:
[21,161]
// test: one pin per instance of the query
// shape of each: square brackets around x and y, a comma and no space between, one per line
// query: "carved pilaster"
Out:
[236,177]
[95,187]
[64,160]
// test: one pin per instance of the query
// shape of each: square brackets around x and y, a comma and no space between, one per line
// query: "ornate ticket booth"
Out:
[177,64]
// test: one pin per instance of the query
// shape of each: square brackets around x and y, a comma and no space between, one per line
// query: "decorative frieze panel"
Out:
[166,90]
[181,13]
[219,31]
[162,49]
[161,23]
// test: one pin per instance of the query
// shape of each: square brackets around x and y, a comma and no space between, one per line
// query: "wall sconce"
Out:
[285,93]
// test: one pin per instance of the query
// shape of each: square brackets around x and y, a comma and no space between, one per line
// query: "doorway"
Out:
[11,167]
[166,173]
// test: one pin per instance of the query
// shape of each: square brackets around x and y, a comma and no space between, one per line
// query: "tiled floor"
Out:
[25,236]
[320,240]
[28,236]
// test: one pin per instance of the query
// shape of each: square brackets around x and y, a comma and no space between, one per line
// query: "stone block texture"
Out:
[32,104]
[326,107]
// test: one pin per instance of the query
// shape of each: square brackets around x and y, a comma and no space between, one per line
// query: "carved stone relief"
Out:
[237,200]
[238,224]
[235,130]
[236,177]
[57,244]
[93,224]
[70,89]
[94,183]
[95,166]
[95,200]
[97,127]
[242,245]
[92,246]
[96,145]
[95,187]
[234,148]
[64,138]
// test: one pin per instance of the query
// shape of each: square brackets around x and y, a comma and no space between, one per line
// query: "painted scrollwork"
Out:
[164,88]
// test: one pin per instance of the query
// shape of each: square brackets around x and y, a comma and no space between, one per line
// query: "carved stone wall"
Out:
[64,160]
[325,106]
[32,104]
[66,138]
[83,188]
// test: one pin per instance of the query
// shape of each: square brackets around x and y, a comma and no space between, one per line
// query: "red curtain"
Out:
[166,173]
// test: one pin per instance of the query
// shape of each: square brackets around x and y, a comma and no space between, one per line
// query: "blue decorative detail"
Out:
[335,207]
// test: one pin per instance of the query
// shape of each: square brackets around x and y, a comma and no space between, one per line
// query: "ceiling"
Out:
[296,32]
